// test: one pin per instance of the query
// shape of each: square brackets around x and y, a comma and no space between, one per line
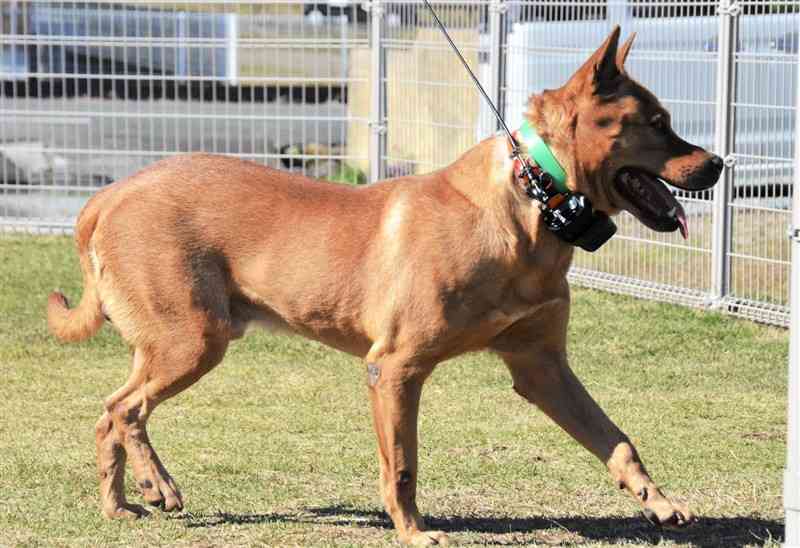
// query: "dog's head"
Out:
[615,140]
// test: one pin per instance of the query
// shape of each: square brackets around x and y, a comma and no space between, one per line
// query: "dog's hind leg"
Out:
[111,470]
[395,389]
[158,373]
[535,353]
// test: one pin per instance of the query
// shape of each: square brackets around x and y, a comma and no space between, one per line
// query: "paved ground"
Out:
[98,140]
[112,137]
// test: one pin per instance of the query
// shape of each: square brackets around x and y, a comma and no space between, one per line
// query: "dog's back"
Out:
[223,229]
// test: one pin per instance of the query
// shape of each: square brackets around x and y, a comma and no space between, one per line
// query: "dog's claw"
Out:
[679,520]
[172,503]
[676,520]
[160,491]
[167,503]
[651,517]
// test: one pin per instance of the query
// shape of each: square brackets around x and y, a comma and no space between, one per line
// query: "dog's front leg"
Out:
[395,388]
[542,376]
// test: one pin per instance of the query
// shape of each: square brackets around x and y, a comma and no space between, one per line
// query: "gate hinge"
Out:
[793,234]
[374,7]
[732,10]
[498,6]
[375,127]
[729,160]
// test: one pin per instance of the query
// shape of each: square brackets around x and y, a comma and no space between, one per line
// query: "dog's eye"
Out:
[659,122]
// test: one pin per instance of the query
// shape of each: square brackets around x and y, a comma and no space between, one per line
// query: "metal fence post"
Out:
[377,124]
[791,474]
[497,8]
[726,89]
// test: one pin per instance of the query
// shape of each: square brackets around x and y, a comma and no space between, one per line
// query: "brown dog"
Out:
[184,255]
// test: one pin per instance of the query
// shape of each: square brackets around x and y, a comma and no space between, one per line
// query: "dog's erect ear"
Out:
[601,67]
[604,60]
[622,52]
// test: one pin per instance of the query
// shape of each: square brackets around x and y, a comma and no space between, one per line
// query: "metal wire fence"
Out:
[93,91]
[726,70]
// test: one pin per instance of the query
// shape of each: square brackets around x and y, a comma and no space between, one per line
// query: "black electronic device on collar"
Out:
[568,215]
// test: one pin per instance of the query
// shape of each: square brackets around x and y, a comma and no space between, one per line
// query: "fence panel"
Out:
[93,91]
[434,112]
[762,168]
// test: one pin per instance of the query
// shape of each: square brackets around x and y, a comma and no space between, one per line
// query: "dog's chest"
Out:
[482,314]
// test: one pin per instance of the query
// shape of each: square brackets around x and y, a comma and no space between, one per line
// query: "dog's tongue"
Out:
[680,216]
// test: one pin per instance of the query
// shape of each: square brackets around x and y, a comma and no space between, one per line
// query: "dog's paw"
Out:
[162,493]
[126,511]
[671,515]
[429,538]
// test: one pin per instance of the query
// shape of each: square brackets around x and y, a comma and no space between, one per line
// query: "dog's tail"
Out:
[87,318]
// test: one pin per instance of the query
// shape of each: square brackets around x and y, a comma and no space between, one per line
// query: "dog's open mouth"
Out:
[651,201]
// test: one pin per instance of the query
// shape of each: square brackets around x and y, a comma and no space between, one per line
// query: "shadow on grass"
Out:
[731,532]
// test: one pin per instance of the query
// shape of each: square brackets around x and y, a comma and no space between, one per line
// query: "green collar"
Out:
[542,155]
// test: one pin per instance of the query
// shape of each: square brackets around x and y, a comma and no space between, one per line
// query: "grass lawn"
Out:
[275,447]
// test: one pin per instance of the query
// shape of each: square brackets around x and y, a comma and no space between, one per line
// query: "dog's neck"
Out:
[554,123]
[497,188]
[484,175]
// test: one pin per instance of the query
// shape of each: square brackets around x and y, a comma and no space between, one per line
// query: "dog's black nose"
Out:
[706,175]
[711,170]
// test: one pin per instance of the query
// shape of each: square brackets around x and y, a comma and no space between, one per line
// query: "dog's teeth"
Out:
[672,212]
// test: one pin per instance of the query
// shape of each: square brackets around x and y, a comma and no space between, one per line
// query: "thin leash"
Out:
[527,172]
[568,215]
